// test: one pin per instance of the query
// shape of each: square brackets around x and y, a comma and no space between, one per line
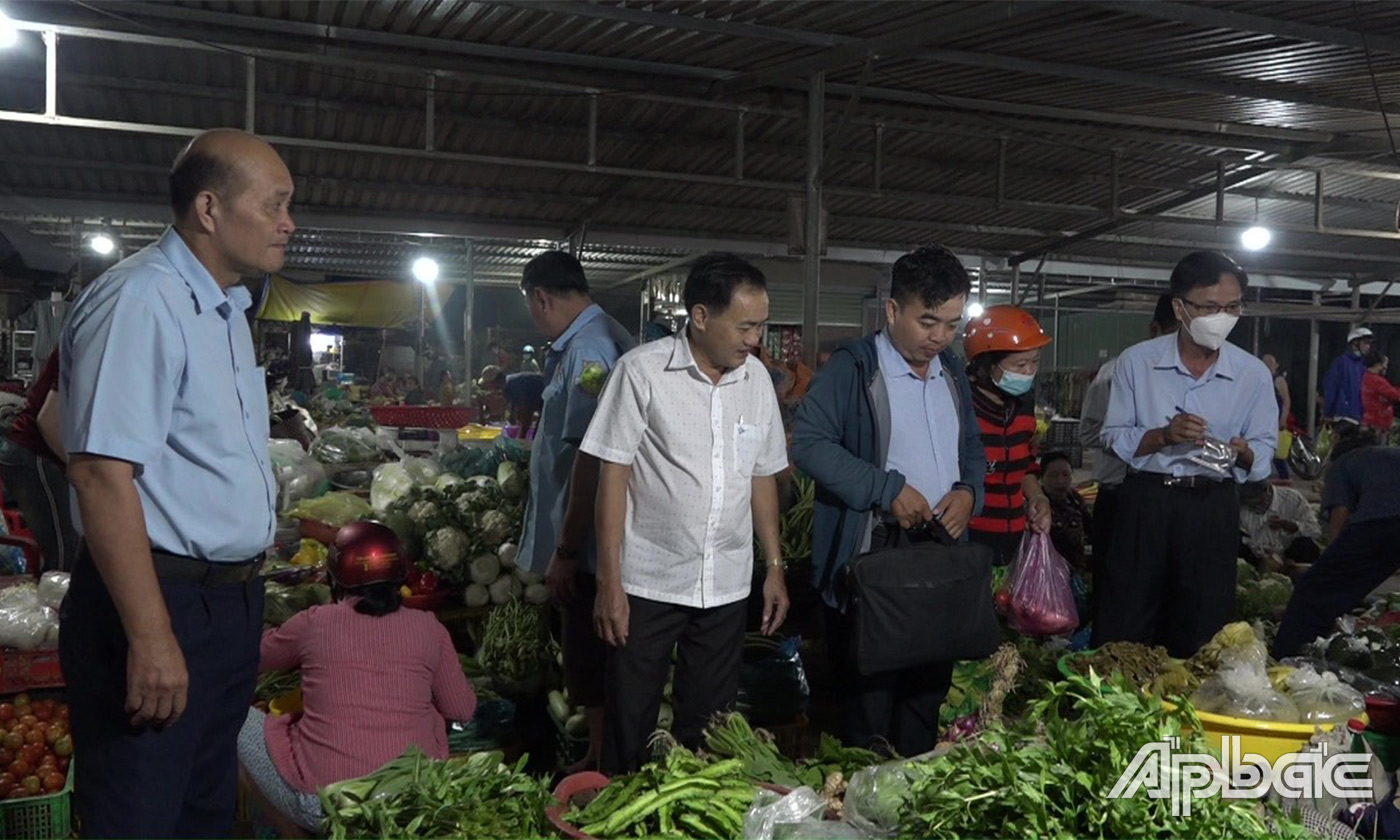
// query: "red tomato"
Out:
[63,764]
[55,732]
[32,785]
[28,719]
[48,761]
[13,741]
[7,712]
[34,736]
[19,768]
[6,757]
[43,713]
[53,782]
[17,793]
[32,753]
[63,747]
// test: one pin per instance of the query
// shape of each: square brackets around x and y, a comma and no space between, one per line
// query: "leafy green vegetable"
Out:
[414,796]
[273,684]
[516,646]
[730,737]
[678,796]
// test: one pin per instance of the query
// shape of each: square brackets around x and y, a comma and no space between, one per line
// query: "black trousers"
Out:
[1359,560]
[40,490]
[585,655]
[1101,535]
[181,781]
[1170,574]
[897,707]
[709,646]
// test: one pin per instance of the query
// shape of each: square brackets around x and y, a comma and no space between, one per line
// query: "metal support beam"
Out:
[1001,172]
[250,94]
[1113,210]
[593,130]
[811,257]
[430,114]
[739,145]
[1015,281]
[50,73]
[1212,17]
[1311,398]
[1318,198]
[467,313]
[1220,192]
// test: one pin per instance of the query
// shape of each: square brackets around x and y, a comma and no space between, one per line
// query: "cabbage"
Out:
[447,480]
[422,470]
[536,593]
[494,527]
[506,588]
[485,568]
[391,483]
[447,548]
[508,552]
[512,480]
[476,596]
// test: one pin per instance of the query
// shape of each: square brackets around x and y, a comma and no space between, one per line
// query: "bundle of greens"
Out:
[1047,775]
[517,650]
[273,684]
[679,796]
[414,796]
[730,737]
[1139,664]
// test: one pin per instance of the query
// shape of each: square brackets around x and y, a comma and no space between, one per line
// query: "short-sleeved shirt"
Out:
[578,364]
[1366,482]
[157,369]
[25,431]
[694,447]
[1235,396]
[525,390]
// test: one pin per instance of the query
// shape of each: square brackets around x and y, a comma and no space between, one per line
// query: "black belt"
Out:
[203,572]
[1181,482]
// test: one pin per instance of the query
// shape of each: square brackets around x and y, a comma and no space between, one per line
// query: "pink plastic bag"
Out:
[1042,602]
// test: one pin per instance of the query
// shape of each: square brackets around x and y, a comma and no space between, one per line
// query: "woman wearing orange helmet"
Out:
[1003,353]
[376,678]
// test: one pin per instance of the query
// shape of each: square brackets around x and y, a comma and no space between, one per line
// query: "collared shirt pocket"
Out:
[748,443]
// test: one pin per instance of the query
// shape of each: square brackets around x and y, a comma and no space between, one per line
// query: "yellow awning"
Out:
[383,304]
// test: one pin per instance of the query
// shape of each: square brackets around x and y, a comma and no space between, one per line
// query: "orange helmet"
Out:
[1003,329]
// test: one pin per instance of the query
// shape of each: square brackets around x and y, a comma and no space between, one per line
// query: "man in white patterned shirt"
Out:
[691,441]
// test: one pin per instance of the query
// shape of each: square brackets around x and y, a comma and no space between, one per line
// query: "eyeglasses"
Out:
[1236,308]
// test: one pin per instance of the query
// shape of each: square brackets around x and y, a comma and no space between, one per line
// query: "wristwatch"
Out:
[566,552]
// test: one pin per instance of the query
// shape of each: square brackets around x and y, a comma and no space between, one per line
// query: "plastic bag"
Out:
[1042,601]
[342,445]
[817,829]
[299,476]
[423,471]
[391,483]
[1215,455]
[1323,698]
[53,586]
[336,509]
[875,796]
[25,623]
[773,688]
[1241,690]
[770,809]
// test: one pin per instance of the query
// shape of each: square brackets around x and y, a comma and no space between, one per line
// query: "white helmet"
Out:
[1358,333]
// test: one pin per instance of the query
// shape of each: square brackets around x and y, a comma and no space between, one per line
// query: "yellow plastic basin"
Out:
[286,704]
[1261,737]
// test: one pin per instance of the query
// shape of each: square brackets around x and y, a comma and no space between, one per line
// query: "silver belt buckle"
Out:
[1174,481]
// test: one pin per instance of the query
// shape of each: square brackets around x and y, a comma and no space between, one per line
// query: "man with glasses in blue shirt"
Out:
[1193,416]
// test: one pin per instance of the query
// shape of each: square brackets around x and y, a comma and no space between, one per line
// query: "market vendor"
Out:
[1003,354]
[31,463]
[376,678]
[887,430]
[524,394]
[690,437]
[164,417]
[1361,499]
[1278,525]
[1070,519]
[559,541]
[1378,395]
[1193,416]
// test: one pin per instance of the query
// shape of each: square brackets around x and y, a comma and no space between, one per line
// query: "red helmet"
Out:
[1003,329]
[367,553]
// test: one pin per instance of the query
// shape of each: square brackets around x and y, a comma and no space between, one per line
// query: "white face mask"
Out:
[1210,331]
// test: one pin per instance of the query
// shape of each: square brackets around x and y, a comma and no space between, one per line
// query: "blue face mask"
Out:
[1016,384]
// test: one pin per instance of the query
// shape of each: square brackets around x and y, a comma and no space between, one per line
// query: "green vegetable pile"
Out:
[1048,775]
[1260,597]
[517,650]
[795,530]
[1139,664]
[273,684]
[414,796]
[282,601]
[680,796]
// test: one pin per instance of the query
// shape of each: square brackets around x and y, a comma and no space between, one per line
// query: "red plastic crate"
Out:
[25,670]
[422,416]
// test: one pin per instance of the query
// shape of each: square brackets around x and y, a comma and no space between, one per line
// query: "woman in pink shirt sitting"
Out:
[375,679]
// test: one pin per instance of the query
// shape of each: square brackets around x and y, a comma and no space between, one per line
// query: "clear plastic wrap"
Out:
[875,796]
[1323,698]
[336,509]
[1042,600]
[771,809]
[53,586]
[423,471]
[1215,455]
[25,623]
[1239,690]
[299,476]
[818,830]
[391,483]
[344,445]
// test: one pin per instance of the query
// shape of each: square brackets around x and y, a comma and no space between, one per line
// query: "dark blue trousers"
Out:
[1359,560]
[181,781]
